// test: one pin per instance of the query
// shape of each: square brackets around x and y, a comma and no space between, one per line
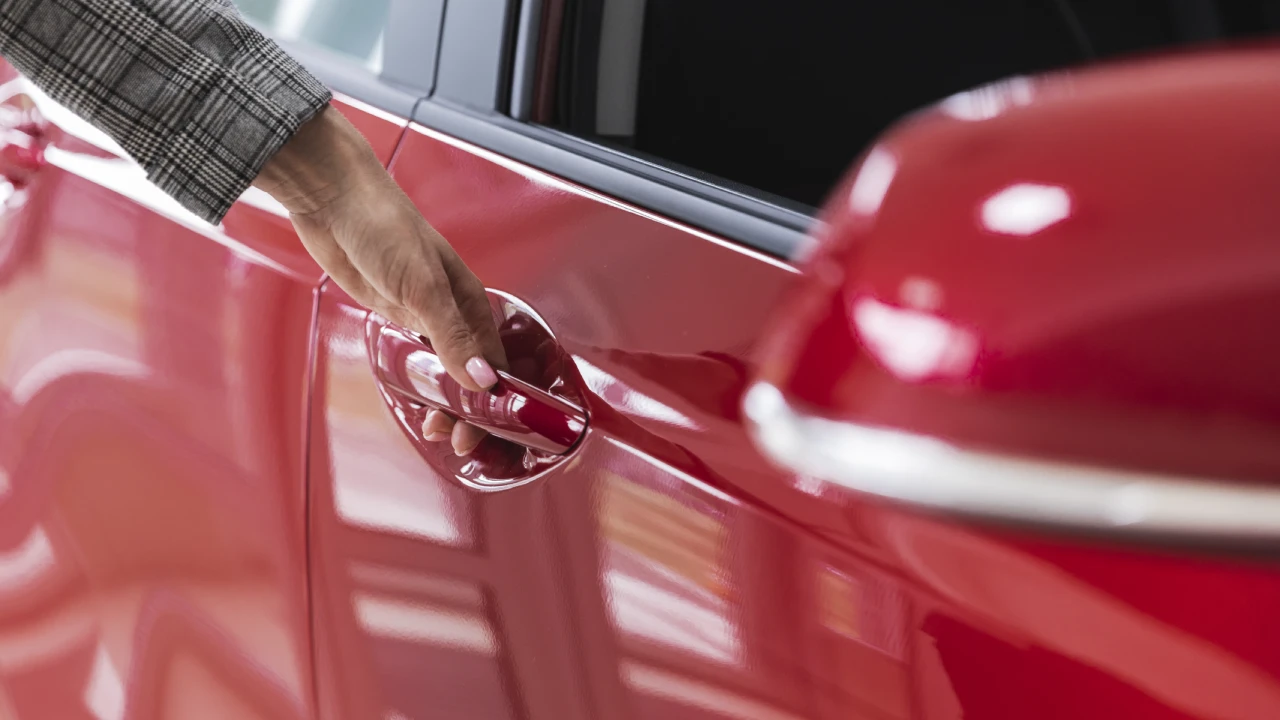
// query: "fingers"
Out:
[409,273]
[473,303]
[414,277]
[437,427]
[465,438]
[405,267]
[428,296]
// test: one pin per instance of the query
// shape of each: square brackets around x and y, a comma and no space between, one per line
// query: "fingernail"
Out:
[437,437]
[480,371]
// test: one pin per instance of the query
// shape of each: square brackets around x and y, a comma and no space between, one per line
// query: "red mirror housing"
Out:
[1052,301]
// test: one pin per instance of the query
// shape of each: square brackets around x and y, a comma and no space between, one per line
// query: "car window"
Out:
[781,96]
[353,28]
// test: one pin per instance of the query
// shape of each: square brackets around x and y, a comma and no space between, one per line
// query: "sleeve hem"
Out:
[232,133]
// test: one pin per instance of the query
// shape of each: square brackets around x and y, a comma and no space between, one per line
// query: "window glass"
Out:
[781,96]
[353,28]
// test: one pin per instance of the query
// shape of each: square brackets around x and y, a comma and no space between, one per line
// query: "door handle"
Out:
[22,147]
[513,410]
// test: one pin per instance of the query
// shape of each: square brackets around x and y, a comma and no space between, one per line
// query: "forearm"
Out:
[197,96]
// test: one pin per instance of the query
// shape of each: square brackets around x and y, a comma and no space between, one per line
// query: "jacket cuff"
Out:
[250,109]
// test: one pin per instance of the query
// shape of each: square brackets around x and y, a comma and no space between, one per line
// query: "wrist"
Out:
[318,165]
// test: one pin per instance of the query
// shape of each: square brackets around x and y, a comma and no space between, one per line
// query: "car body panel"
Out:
[204,486]
[632,580]
[695,581]
[1076,269]
[152,391]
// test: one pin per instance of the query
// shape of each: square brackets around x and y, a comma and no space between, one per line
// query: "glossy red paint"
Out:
[1088,274]
[152,393]
[625,581]
[663,570]
[1081,268]
[153,373]
[618,583]
[407,559]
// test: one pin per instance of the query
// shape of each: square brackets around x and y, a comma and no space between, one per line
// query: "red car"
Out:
[1006,450]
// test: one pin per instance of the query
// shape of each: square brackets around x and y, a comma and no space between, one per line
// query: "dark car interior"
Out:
[781,97]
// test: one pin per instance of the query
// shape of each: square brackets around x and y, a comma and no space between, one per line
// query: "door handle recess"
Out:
[513,410]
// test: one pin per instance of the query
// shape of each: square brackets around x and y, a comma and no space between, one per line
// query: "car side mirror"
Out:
[1052,301]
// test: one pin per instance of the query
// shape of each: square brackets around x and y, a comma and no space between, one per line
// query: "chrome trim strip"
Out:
[930,473]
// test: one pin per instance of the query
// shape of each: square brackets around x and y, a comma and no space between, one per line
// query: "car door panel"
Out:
[632,580]
[431,599]
[619,584]
[1011,625]
[152,391]
[691,579]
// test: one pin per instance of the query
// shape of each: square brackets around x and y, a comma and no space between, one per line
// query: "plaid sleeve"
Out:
[196,95]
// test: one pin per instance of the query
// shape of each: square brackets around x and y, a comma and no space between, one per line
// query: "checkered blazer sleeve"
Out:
[194,93]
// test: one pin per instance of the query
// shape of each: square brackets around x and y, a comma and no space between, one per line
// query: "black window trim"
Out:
[768,228]
[737,213]
[711,205]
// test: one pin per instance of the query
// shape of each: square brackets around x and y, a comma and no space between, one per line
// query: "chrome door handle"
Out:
[514,410]
[22,149]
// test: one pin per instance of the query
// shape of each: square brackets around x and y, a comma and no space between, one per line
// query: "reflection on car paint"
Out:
[151,549]
[662,563]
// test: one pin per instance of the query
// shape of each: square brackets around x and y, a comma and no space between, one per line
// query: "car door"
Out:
[632,180]
[639,575]
[153,377]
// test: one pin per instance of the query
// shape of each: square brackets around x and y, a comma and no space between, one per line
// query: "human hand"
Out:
[371,240]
